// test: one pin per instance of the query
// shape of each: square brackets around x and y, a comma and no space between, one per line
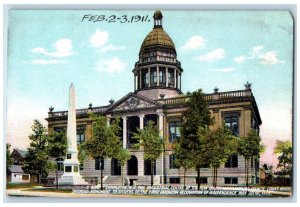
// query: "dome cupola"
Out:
[157,71]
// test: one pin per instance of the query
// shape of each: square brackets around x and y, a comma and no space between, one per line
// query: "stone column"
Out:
[108,117]
[141,121]
[161,134]
[175,78]
[134,81]
[124,131]
[140,86]
[180,81]
[157,75]
[161,124]
[149,77]
[167,77]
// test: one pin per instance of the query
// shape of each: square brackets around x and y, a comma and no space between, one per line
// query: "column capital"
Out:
[124,117]
[160,114]
[141,115]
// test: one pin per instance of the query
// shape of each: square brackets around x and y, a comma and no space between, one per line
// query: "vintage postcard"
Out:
[149,103]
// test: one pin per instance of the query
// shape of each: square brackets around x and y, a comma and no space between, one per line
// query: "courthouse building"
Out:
[157,96]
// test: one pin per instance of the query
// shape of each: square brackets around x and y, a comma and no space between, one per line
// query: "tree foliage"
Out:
[218,145]
[9,160]
[122,156]
[285,159]
[150,140]
[250,147]
[196,116]
[57,147]
[36,161]
[105,141]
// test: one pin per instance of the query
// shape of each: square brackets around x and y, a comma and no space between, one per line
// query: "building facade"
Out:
[157,96]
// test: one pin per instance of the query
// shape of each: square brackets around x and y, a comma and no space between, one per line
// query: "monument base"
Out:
[72,180]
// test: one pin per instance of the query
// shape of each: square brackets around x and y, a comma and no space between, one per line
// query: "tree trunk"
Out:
[184,173]
[216,177]
[198,177]
[151,165]
[101,179]
[56,179]
[247,173]
[122,177]
[40,177]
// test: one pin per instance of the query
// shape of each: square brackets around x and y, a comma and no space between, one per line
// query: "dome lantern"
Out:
[157,19]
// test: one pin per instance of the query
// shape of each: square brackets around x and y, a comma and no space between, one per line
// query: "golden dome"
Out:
[157,37]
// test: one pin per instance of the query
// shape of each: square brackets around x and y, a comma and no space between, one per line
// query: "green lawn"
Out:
[52,190]
[21,185]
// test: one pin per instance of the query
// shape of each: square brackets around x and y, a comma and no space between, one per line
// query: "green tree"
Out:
[36,161]
[9,160]
[285,151]
[57,146]
[183,158]
[250,147]
[122,156]
[150,140]
[218,145]
[105,141]
[196,116]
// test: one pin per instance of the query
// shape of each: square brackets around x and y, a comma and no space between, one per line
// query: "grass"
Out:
[51,190]
[21,185]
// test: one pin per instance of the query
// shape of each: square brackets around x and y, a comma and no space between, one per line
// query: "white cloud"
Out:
[214,55]
[256,50]
[46,62]
[112,47]
[99,38]
[194,42]
[111,66]
[269,58]
[240,59]
[226,70]
[63,48]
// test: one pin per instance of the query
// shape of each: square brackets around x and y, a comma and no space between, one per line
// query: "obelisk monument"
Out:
[71,175]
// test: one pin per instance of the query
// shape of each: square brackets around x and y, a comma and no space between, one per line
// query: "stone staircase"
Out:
[113,180]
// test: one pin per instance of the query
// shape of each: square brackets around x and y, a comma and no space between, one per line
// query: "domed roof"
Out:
[157,37]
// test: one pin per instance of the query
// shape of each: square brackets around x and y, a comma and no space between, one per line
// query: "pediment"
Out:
[133,102]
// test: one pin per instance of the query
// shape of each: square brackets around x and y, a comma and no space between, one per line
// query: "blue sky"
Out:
[47,50]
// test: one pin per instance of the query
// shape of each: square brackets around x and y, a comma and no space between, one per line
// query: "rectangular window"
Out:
[99,163]
[233,180]
[75,168]
[203,180]
[80,135]
[174,130]
[153,77]
[174,180]
[232,122]
[172,164]
[171,77]
[145,78]
[162,76]
[69,156]
[232,161]
[25,177]
[68,168]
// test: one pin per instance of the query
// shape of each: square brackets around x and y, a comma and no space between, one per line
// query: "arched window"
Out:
[147,167]
[115,167]
[132,166]
[99,163]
